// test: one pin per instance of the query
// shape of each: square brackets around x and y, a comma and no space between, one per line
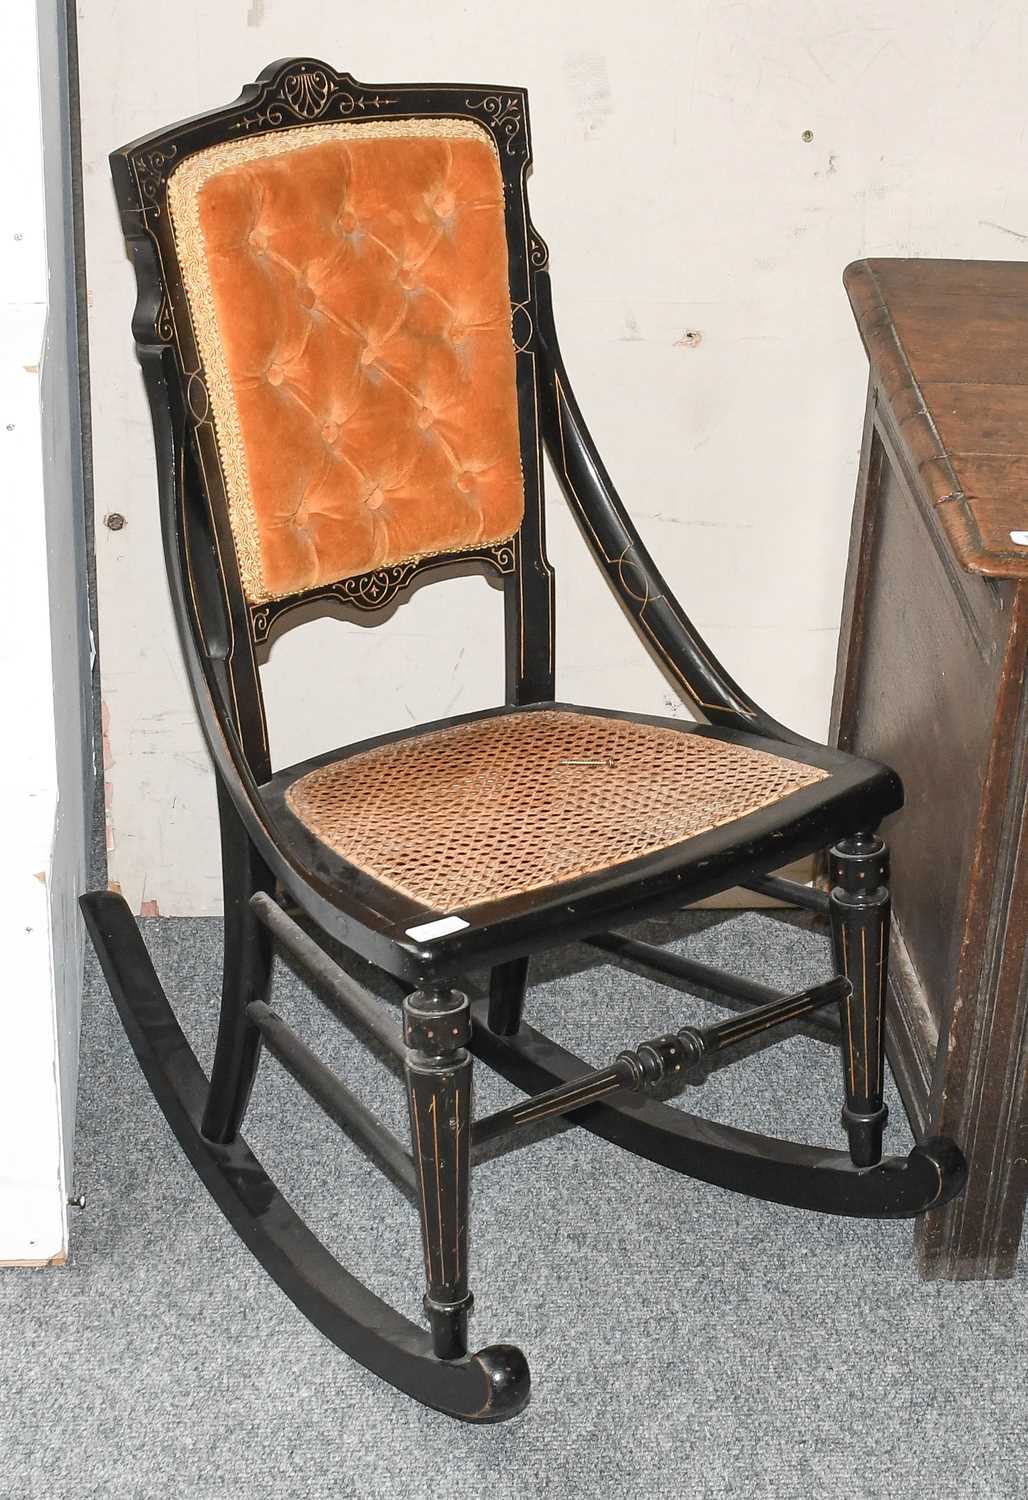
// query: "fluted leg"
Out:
[437,1028]
[507,985]
[246,976]
[860,913]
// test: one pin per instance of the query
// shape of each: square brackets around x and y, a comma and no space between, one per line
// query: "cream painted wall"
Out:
[696,243]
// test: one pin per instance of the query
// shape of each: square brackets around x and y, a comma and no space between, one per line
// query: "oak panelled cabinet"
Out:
[931,680]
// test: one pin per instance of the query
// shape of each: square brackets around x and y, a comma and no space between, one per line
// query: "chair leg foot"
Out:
[865,1133]
[860,915]
[436,1029]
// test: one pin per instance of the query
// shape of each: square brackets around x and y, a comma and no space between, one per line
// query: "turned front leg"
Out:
[437,1028]
[860,909]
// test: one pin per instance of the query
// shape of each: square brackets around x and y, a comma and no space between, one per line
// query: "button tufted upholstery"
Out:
[348,289]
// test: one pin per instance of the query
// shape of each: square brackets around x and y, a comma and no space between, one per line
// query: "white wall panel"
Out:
[678,196]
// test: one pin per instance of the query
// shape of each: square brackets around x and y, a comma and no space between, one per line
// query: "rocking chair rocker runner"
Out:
[345,329]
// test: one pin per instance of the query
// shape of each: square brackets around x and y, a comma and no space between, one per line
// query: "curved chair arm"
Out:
[655,613]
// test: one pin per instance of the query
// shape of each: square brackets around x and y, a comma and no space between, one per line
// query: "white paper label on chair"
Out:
[441,927]
[1020,537]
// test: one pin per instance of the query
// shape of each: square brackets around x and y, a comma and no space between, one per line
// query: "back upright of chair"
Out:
[341,274]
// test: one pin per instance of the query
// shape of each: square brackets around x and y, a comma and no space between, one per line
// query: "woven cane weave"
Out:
[501,806]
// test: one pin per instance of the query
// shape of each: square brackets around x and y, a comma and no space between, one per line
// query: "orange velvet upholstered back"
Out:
[348,290]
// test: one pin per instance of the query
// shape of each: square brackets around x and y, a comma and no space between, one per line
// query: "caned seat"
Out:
[501,806]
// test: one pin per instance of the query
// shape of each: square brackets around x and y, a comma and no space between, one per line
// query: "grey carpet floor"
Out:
[684,1341]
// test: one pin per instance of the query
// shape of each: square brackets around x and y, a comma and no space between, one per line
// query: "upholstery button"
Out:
[347,221]
[407,277]
[368,355]
[258,239]
[300,515]
[458,333]
[376,499]
[306,295]
[275,374]
[425,417]
[444,204]
[465,481]
[330,431]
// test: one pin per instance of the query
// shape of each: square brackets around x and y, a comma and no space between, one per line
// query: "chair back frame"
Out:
[218,623]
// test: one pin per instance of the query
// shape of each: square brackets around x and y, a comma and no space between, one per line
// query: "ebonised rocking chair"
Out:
[345,329]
